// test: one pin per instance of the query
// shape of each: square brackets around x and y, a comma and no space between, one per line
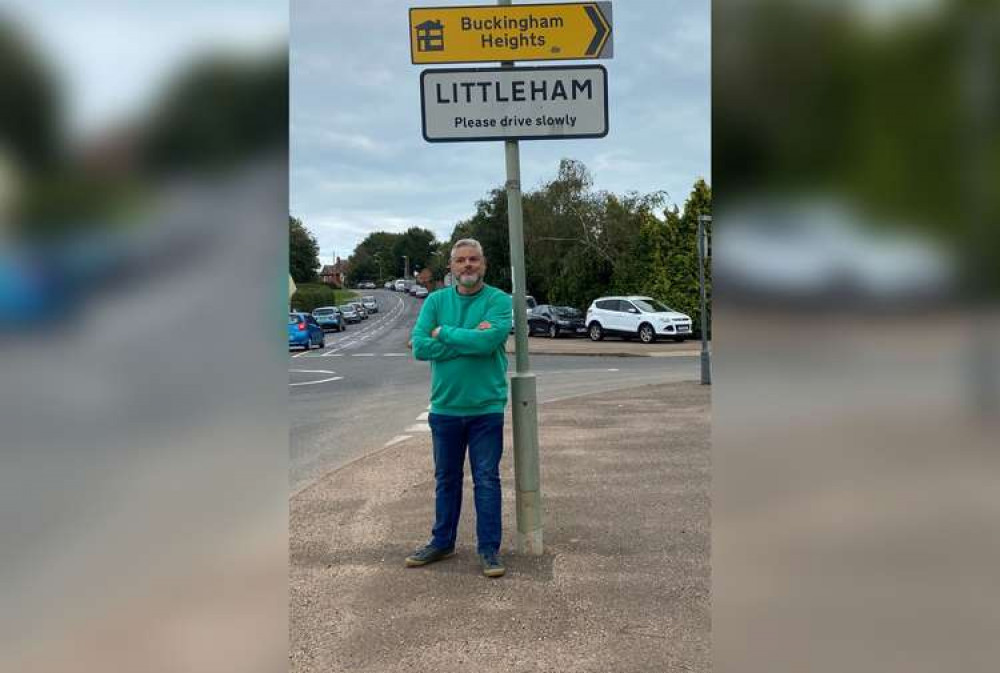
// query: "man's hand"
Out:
[481,326]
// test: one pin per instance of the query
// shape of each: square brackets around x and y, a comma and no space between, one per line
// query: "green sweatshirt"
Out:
[468,365]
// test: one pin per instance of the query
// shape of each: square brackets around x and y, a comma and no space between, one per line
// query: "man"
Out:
[462,331]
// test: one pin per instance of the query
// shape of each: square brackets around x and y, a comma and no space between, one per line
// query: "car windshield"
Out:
[323,311]
[293,318]
[651,306]
[349,309]
[368,299]
[566,311]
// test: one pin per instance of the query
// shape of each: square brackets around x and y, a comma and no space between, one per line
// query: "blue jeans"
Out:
[483,435]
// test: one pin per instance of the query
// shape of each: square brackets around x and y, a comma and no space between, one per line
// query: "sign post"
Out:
[706,363]
[523,395]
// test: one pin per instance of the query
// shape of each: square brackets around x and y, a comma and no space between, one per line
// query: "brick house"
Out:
[334,275]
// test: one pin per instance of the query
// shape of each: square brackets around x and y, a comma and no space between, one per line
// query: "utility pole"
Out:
[524,399]
[706,363]
[406,266]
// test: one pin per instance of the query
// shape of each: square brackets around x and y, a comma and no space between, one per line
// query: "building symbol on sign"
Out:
[430,36]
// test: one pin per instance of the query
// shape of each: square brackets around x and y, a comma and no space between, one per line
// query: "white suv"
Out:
[643,317]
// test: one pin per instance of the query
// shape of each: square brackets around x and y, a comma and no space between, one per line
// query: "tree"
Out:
[30,118]
[581,244]
[372,258]
[303,252]
[681,291]
[220,110]
[416,244]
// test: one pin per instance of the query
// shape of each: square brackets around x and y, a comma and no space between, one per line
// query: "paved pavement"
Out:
[608,346]
[623,585]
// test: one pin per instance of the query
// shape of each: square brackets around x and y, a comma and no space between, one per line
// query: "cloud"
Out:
[171,37]
[339,231]
[355,141]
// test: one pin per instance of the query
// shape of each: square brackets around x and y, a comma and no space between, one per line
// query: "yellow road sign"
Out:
[555,32]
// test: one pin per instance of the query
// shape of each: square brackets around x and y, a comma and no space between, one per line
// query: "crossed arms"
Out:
[431,341]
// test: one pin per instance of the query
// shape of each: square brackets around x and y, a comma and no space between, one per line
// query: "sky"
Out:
[359,163]
[114,70]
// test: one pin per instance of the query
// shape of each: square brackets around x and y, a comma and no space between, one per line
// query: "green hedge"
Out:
[310,295]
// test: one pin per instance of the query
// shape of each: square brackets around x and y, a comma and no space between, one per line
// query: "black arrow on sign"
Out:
[601,28]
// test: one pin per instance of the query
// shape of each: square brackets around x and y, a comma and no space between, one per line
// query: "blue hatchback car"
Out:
[304,332]
[329,318]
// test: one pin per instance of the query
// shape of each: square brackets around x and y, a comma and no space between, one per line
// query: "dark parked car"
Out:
[556,321]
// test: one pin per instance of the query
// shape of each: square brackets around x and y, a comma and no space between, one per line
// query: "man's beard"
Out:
[469,279]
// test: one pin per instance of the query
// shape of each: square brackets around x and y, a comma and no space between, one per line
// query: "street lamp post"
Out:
[406,266]
[706,363]
[523,398]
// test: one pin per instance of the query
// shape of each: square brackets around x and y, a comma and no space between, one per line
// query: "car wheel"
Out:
[553,332]
[322,342]
[596,333]
[646,333]
[309,344]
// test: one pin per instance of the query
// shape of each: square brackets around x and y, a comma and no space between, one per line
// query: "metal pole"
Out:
[406,266]
[524,410]
[706,363]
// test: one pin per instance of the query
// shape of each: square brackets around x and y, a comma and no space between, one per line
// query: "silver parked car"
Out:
[350,313]
[360,308]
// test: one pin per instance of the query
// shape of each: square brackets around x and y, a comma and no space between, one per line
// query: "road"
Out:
[365,390]
[144,440]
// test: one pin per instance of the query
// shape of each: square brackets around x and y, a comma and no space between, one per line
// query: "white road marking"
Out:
[394,355]
[362,355]
[613,370]
[397,439]
[418,428]
[312,371]
[312,383]
[423,416]
[298,355]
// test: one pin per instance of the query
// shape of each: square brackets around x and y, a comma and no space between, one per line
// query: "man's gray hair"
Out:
[467,243]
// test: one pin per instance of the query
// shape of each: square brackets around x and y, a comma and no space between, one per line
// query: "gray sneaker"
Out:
[428,554]
[492,565]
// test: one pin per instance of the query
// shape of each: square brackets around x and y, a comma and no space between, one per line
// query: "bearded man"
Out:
[462,331]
